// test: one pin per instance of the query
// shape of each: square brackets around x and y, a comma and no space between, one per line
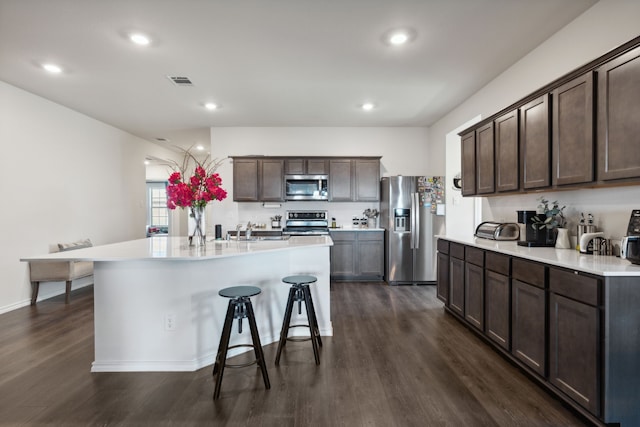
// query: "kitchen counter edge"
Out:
[602,265]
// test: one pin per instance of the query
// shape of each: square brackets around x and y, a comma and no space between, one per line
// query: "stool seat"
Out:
[300,292]
[239,291]
[239,307]
[300,279]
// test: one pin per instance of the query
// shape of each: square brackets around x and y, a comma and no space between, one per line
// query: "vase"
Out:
[197,237]
[562,240]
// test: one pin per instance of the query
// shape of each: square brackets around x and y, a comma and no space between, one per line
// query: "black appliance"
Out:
[533,236]
[306,223]
[630,247]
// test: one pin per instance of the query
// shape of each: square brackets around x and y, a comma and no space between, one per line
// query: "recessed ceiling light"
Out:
[211,106]
[399,37]
[140,39]
[52,68]
[199,147]
[368,106]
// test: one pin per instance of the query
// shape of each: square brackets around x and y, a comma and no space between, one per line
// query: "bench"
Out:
[59,271]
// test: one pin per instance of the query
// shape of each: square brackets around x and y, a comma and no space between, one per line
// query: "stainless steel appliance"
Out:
[630,246]
[407,204]
[306,223]
[306,187]
[498,230]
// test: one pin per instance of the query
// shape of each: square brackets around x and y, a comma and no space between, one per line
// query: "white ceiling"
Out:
[267,62]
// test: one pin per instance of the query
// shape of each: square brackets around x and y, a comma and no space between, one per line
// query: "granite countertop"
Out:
[177,249]
[602,265]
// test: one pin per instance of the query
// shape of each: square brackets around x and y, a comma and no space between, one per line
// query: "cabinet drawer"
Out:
[456,250]
[443,246]
[574,285]
[368,236]
[344,236]
[474,256]
[528,272]
[498,263]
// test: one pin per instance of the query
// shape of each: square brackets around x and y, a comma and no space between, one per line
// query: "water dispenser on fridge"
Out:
[401,223]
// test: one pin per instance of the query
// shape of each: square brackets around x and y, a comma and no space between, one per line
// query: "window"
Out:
[157,211]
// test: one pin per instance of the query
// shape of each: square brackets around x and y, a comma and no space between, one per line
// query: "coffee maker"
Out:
[529,235]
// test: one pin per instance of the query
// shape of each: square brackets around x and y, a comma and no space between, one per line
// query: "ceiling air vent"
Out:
[181,81]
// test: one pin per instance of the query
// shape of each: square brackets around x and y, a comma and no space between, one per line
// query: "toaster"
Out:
[498,230]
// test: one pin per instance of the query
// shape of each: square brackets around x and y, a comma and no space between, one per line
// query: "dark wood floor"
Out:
[395,360]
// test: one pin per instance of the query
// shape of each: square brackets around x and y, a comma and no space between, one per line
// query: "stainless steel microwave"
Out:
[306,187]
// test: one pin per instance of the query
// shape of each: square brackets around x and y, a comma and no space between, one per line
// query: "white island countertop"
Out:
[602,265]
[177,248]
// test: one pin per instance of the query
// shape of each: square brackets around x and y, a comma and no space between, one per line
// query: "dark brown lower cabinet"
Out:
[443,278]
[497,308]
[528,325]
[456,285]
[574,350]
[474,295]
[577,332]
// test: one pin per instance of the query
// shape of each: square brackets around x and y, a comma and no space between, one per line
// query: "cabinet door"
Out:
[443,278]
[317,167]
[245,180]
[474,295]
[534,143]
[485,164]
[370,254]
[528,325]
[272,180]
[468,173]
[367,180]
[572,140]
[294,166]
[497,306]
[456,285]
[343,255]
[618,112]
[574,350]
[340,180]
[507,153]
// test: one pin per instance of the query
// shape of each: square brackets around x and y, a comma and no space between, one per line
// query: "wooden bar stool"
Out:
[239,308]
[299,292]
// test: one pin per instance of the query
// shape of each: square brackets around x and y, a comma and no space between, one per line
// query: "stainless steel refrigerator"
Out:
[411,210]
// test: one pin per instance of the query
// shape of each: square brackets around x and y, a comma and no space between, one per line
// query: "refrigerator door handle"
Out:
[416,216]
[413,222]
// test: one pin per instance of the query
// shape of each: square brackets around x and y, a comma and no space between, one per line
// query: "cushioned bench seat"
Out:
[59,271]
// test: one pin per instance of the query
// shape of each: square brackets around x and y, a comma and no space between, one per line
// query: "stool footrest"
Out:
[240,365]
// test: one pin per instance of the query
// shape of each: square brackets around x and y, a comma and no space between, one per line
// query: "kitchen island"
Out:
[156,302]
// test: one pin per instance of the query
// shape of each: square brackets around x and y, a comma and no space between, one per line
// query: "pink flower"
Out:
[198,190]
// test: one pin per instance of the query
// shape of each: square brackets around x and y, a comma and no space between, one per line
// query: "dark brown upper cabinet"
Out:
[534,143]
[468,149]
[618,117]
[572,128]
[507,153]
[306,166]
[485,160]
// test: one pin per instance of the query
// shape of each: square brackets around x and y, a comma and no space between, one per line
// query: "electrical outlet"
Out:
[170,322]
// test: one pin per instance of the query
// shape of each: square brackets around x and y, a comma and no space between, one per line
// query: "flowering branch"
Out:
[203,186]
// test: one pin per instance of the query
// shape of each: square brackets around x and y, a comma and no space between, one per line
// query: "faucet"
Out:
[238,227]
[247,233]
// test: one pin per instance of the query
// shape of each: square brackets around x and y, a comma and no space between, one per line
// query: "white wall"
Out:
[606,25]
[404,151]
[64,177]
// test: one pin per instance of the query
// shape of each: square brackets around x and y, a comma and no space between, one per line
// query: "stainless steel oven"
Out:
[306,187]
[305,223]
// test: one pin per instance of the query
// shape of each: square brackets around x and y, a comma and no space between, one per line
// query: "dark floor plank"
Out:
[396,359]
